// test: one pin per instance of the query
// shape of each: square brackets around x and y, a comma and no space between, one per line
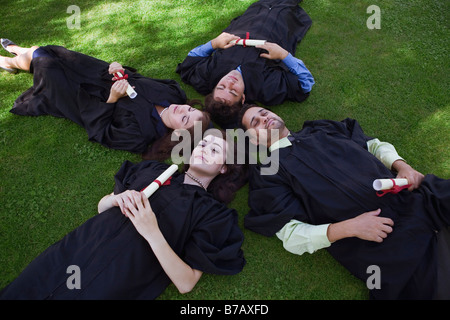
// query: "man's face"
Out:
[267,125]
[230,88]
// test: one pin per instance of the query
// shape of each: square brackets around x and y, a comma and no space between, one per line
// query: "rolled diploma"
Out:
[130,91]
[385,184]
[249,42]
[152,187]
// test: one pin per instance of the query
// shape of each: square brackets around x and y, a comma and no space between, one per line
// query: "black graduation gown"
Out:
[266,81]
[75,86]
[116,262]
[326,177]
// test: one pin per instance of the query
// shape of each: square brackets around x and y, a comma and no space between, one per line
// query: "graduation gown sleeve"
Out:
[196,71]
[279,206]
[215,243]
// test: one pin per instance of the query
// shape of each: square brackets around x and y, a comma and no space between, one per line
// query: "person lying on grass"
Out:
[137,246]
[81,88]
[230,74]
[321,196]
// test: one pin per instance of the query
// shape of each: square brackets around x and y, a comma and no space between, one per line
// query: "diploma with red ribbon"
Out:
[130,91]
[248,42]
[163,179]
[384,186]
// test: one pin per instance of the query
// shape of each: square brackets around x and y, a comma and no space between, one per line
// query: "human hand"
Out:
[124,200]
[222,41]
[369,226]
[115,67]
[142,216]
[118,90]
[405,171]
[274,51]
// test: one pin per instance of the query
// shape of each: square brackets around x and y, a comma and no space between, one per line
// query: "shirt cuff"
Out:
[299,237]
[384,151]
[203,50]
[298,68]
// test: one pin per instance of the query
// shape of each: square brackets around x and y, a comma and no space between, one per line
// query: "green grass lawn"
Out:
[393,80]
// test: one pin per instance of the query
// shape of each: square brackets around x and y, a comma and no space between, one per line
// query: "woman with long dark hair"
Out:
[137,246]
[83,89]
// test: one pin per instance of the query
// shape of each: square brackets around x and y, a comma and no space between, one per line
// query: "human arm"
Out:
[143,218]
[367,226]
[299,237]
[295,65]
[387,154]
[222,41]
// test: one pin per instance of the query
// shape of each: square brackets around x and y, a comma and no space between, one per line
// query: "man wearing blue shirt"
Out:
[270,74]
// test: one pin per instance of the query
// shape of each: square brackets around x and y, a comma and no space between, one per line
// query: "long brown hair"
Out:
[161,149]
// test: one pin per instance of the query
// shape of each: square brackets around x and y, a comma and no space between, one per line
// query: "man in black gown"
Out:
[266,78]
[323,192]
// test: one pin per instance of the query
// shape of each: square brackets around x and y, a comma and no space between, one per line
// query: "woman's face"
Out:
[209,156]
[181,116]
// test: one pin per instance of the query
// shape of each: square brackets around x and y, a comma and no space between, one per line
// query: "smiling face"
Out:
[181,116]
[230,88]
[266,125]
[209,156]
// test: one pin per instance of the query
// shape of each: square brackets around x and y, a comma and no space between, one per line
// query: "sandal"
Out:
[5,43]
[9,70]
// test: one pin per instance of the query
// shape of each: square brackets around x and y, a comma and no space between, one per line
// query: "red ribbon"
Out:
[124,77]
[167,183]
[395,189]
[247,36]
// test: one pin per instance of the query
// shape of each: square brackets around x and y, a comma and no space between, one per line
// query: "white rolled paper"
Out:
[249,42]
[152,187]
[386,184]
[130,91]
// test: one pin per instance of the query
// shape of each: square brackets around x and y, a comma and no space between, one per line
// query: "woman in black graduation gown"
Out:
[134,248]
[78,87]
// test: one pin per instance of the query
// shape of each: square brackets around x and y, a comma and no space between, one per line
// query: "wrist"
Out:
[397,165]
[111,99]
[214,44]
[155,238]
[340,230]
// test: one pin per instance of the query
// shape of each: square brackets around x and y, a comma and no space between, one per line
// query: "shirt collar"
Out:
[282,143]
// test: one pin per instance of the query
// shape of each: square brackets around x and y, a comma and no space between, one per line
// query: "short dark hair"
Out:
[224,115]
[242,112]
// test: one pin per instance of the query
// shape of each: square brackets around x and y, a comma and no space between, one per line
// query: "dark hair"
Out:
[161,148]
[241,114]
[224,186]
[224,115]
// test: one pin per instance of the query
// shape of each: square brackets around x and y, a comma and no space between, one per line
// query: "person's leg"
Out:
[22,61]
[13,48]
